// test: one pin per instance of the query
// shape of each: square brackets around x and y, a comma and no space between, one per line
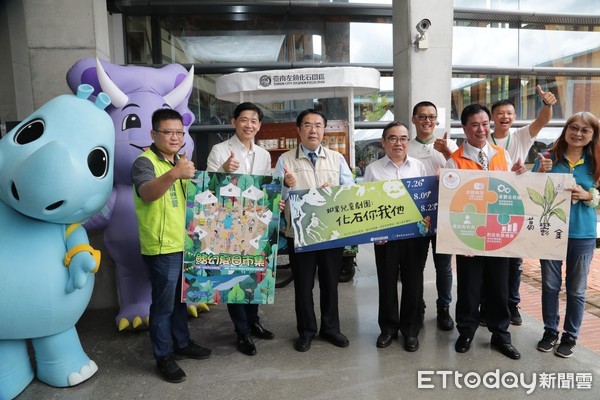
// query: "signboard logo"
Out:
[265,81]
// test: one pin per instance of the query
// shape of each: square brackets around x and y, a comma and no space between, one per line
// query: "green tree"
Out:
[236,295]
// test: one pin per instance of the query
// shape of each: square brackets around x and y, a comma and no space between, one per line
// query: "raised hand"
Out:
[184,168]
[441,145]
[547,97]
[545,163]
[519,167]
[289,179]
[231,165]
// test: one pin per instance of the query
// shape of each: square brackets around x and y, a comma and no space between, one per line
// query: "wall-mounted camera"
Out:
[423,25]
[421,42]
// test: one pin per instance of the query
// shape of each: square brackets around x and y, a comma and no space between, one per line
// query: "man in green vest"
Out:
[159,177]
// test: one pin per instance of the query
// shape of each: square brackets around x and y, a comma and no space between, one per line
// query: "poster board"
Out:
[232,229]
[352,214]
[502,214]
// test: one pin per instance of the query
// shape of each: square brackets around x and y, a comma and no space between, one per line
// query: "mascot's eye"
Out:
[131,121]
[30,132]
[98,162]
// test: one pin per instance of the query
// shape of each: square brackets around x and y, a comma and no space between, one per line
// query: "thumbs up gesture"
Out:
[547,97]
[545,163]
[184,168]
[441,145]
[231,164]
[289,179]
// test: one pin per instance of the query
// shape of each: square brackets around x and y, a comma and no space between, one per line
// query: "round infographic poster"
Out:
[486,214]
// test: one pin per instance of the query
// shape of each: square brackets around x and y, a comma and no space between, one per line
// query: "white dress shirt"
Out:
[384,169]
[255,161]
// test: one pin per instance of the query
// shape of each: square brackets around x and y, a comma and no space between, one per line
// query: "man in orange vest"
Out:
[477,273]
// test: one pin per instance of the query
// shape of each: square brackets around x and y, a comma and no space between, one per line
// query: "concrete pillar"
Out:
[42,40]
[422,74]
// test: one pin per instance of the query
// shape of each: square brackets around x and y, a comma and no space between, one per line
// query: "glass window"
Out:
[560,6]
[525,47]
[253,38]
[139,40]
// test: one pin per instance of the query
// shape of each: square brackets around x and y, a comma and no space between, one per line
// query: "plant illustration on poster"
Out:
[230,251]
[501,214]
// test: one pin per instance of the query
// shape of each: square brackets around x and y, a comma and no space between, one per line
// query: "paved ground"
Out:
[361,371]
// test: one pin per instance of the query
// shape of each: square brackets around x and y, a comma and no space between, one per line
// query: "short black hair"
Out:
[504,102]
[247,106]
[310,111]
[390,126]
[423,104]
[472,110]
[164,114]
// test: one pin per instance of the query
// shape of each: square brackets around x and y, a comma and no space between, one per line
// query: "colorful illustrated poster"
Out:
[230,252]
[496,213]
[352,214]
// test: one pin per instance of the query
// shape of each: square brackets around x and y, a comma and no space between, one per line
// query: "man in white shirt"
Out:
[517,144]
[405,257]
[433,153]
[241,156]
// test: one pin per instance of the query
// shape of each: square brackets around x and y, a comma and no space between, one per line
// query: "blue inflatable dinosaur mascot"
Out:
[57,171]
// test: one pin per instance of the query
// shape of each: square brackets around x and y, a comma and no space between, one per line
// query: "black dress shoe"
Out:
[507,349]
[411,343]
[337,339]
[444,320]
[256,329]
[246,345]
[170,370]
[303,344]
[385,339]
[194,351]
[463,344]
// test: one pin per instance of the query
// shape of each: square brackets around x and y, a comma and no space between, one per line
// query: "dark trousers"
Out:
[243,316]
[515,270]
[490,274]
[405,258]
[168,315]
[443,274]
[304,268]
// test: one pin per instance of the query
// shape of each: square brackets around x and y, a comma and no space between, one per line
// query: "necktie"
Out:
[483,161]
[313,158]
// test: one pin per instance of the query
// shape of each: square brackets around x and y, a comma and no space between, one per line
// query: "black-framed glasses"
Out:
[423,117]
[171,133]
[396,139]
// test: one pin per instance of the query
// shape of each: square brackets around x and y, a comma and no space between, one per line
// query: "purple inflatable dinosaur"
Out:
[136,92]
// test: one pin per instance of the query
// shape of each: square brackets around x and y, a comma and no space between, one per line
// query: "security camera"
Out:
[423,25]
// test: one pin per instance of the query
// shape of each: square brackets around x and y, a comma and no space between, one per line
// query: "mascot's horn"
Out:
[117,97]
[176,96]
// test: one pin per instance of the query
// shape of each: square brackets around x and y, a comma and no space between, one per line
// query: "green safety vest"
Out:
[161,223]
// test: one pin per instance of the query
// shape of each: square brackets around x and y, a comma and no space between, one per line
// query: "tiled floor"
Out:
[531,297]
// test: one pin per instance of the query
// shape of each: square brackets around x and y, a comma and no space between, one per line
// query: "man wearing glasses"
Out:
[311,165]
[433,153]
[159,177]
[240,155]
[405,257]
